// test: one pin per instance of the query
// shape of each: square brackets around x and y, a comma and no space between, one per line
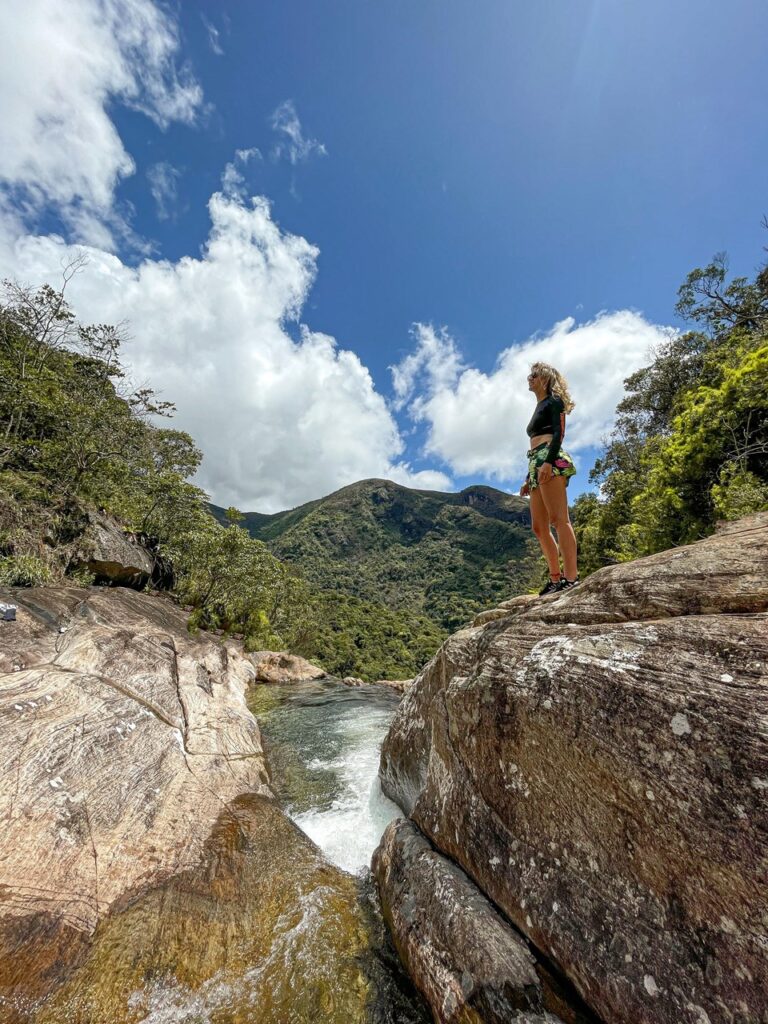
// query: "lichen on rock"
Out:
[588,760]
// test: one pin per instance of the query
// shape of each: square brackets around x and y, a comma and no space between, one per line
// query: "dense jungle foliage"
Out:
[690,445]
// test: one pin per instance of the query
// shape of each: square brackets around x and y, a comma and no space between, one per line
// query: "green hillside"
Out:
[424,553]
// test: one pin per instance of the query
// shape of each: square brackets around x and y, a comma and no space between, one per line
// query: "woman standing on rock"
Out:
[549,467]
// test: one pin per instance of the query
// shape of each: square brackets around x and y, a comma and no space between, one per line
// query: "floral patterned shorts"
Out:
[563,465]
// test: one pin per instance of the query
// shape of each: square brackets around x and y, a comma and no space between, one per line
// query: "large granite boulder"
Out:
[597,763]
[278,667]
[112,554]
[262,928]
[122,740]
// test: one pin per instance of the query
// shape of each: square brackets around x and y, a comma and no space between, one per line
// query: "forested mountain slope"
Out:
[426,552]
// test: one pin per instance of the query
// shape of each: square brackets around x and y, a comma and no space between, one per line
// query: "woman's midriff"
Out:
[538,439]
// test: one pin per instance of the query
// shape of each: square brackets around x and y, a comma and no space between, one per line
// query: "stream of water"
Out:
[323,741]
[264,930]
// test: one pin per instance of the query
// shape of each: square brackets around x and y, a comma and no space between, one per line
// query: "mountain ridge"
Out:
[443,554]
[262,525]
[395,569]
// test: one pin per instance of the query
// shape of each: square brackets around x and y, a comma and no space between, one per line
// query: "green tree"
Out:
[75,437]
[233,583]
[712,462]
[689,443]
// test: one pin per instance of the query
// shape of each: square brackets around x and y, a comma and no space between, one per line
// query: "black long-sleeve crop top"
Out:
[549,418]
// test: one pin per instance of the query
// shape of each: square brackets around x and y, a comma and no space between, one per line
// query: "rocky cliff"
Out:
[146,872]
[596,764]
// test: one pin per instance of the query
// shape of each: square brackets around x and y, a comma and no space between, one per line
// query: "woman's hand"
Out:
[525,490]
[545,472]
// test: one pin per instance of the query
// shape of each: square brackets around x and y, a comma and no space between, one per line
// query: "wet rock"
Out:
[467,961]
[261,928]
[598,764]
[278,667]
[122,739]
[353,681]
[398,685]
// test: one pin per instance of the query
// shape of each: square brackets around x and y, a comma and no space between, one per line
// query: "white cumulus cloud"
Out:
[233,178]
[280,420]
[435,363]
[61,64]
[476,421]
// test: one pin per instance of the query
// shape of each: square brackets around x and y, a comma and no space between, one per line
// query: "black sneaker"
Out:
[565,584]
[551,588]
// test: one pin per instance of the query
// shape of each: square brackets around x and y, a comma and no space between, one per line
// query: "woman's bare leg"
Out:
[555,500]
[540,526]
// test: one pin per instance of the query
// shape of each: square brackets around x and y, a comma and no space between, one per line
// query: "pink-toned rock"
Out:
[281,667]
[122,740]
[353,681]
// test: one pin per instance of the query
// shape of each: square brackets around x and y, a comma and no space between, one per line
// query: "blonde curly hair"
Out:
[556,383]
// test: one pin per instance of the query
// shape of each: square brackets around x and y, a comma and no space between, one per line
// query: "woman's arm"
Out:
[557,428]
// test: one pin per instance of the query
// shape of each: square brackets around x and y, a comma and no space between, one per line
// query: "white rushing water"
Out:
[325,739]
[350,829]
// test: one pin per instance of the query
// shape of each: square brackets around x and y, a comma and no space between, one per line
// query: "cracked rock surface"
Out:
[471,964]
[122,739]
[597,763]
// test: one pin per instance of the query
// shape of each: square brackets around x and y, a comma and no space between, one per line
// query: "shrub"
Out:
[738,493]
[24,571]
[81,577]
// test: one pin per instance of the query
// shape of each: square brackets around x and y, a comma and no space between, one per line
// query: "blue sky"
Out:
[485,171]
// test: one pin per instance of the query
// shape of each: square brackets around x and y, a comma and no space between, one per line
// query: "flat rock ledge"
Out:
[725,574]
[468,962]
[396,685]
[597,764]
